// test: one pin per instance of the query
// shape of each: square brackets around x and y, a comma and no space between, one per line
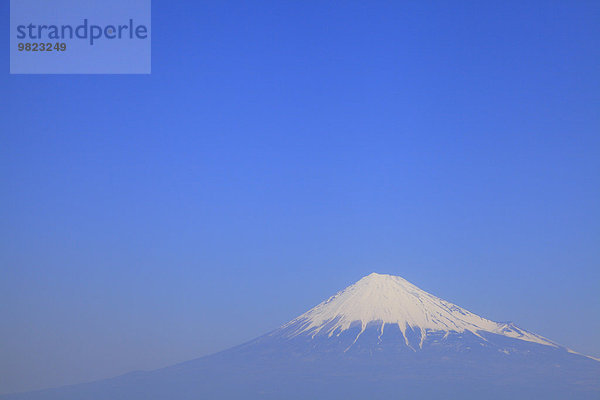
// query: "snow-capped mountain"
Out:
[380,338]
[381,300]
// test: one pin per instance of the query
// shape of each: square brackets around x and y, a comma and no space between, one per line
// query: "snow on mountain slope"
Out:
[387,299]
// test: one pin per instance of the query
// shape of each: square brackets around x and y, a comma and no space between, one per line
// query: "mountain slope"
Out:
[379,338]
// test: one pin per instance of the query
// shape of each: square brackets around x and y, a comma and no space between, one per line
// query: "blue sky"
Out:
[278,153]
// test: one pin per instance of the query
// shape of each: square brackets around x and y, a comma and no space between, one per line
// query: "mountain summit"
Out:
[380,300]
[379,338]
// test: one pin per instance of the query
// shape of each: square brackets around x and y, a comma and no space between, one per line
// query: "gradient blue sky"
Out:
[282,150]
